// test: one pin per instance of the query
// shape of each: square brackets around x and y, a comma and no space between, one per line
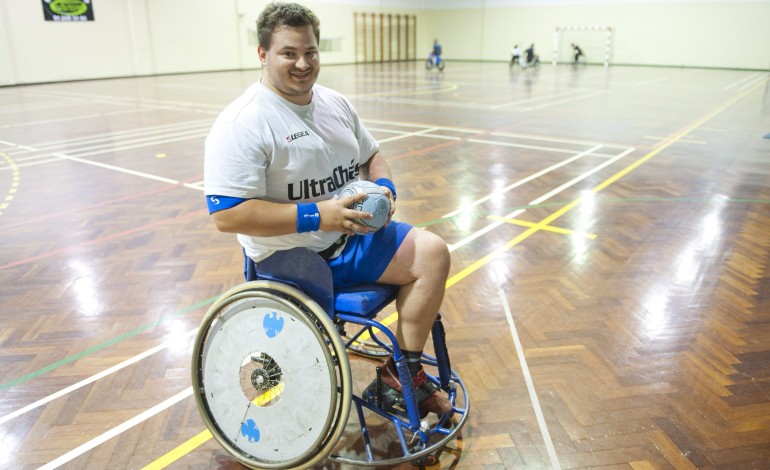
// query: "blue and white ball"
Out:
[376,203]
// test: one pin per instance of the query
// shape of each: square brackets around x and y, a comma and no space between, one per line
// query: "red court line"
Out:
[101,204]
[103,239]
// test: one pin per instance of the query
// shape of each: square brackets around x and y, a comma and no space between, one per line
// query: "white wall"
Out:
[705,34]
[39,50]
[145,37]
[336,22]
[191,34]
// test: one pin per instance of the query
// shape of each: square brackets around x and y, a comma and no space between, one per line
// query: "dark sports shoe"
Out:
[428,395]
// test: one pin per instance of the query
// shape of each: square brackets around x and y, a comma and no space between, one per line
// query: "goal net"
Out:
[594,41]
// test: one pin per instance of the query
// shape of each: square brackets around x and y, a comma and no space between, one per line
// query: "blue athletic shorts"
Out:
[365,257]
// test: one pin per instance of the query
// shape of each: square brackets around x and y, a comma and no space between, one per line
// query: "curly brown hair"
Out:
[285,14]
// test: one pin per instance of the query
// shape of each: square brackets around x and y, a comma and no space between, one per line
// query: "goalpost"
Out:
[595,42]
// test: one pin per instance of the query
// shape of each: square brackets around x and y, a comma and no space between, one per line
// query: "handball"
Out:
[376,203]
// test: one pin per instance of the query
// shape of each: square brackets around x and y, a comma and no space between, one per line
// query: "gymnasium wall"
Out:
[146,37]
[729,34]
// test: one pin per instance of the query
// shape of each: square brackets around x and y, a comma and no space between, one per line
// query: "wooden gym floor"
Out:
[609,300]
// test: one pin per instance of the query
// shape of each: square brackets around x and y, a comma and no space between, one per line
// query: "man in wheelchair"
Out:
[533,59]
[276,159]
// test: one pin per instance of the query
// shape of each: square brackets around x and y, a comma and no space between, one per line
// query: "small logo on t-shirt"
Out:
[289,138]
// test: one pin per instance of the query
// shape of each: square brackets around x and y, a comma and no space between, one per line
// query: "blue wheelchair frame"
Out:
[358,305]
[304,272]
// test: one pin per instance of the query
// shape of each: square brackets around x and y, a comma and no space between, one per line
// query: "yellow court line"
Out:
[681,141]
[15,178]
[542,225]
[195,442]
[523,223]
[612,179]
[179,452]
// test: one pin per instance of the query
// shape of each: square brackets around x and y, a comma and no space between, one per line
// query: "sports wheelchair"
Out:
[434,61]
[273,384]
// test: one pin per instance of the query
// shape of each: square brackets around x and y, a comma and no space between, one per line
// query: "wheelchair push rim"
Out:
[270,377]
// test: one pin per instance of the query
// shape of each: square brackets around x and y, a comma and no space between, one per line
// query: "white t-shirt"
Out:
[263,146]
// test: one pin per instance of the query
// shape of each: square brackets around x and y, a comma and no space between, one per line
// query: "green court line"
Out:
[144,328]
[106,344]
[608,200]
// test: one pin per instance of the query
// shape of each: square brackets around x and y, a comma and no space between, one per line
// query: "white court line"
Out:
[388,131]
[651,81]
[83,96]
[520,182]
[78,451]
[394,131]
[79,153]
[423,126]
[108,145]
[111,135]
[94,377]
[11,144]
[38,158]
[76,118]
[752,83]
[430,102]
[117,168]
[461,129]
[576,98]
[67,119]
[124,111]
[538,98]
[550,139]
[537,201]
[121,101]
[533,147]
[750,77]
[438,136]
[124,101]
[186,133]
[528,380]
[13,109]
[411,134]
[167,403]
[397,123]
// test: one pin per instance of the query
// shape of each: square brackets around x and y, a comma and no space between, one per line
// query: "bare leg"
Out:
[420,267]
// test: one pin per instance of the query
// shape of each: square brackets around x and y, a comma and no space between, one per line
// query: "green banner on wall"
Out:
[68,10]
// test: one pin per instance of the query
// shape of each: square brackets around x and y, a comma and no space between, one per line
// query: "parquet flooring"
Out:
[622,215]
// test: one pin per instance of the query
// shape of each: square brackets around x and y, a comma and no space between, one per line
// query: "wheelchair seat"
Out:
[309,273]
[364,300]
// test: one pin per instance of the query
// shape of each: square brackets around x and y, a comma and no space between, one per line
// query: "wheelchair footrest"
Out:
[385,397]
[388,399]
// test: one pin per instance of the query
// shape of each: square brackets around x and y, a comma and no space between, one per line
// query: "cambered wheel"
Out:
[270,376]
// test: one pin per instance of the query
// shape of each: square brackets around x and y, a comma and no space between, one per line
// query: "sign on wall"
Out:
[68,10]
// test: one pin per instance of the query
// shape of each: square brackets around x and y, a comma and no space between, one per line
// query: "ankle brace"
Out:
[413,361]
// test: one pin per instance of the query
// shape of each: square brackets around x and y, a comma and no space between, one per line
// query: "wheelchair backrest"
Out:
[300,268]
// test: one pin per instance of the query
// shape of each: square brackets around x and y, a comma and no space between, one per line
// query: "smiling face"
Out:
[290,66]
